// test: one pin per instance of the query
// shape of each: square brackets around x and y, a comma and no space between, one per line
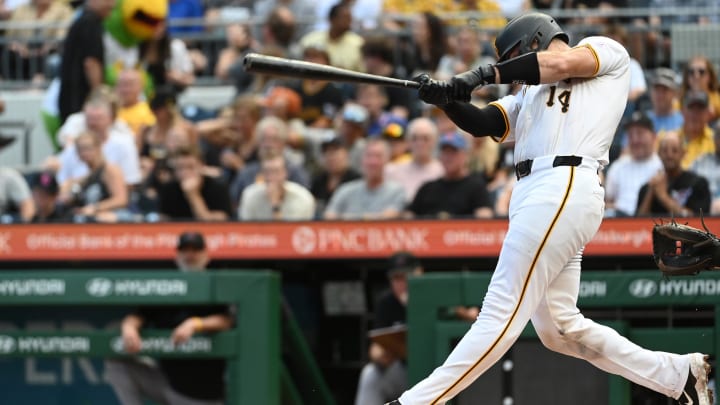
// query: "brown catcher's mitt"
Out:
[682,250]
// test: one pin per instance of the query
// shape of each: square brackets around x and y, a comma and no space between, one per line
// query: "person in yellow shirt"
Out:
[341,43]
[700,75]
[489,15]
[134,110]
[696,133]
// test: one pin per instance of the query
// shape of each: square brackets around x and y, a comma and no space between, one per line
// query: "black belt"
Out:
[524,168]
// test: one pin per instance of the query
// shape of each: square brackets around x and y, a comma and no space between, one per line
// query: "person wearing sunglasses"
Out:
[700,75]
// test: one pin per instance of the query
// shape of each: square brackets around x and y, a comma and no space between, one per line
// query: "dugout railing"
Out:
[431,334]
[264,350]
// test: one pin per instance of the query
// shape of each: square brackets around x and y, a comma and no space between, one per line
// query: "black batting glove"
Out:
[433,91]
[463,84]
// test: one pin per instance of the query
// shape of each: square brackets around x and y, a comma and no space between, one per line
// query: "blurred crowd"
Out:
[292,149]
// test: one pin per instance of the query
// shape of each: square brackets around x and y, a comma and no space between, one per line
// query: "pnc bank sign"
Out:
[309,240]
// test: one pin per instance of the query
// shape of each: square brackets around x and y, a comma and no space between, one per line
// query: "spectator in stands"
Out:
[491,18]
[484,157]
[232,126]
[707,165]
[335,171]
[278,32]
[167,60]
[229,67]
[372,196]
[16,202]
[458,193]
[82,68]
[353,131]
[28,54]
[503,181]
[384,377]
[154,161]
[638,84]
[236,135]
[284,103]
[700,75]
[305,9]
[76,123]
[696,132]
[664,114]
[394,131]
[193,194]
[375,101]
[467,54]
[271,135]
[169,131]
[118,145]
[133,109]
[342,44]
[276,198]
[101,195]
[627,174]
[673,191]
[422,167]
[429,44]
[45,192]
[366,14]
[321,99]
[379,59]
[168,380]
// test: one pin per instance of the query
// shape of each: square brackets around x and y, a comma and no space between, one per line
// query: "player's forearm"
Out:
[132,321]
[27,209]
[93,72]
[487,121]
[212,323]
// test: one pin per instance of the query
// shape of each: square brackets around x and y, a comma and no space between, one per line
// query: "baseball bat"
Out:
[258,63]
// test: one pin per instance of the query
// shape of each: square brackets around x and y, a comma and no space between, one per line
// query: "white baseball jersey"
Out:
[554,212]
[561,118]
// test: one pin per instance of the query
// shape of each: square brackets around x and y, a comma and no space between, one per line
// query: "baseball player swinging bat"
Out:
[258,63]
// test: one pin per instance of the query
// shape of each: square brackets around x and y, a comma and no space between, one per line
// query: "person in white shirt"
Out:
[118,146]
[372,196]
[627,174]
[276,198]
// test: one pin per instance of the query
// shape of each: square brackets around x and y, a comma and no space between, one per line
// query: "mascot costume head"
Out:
[130,23]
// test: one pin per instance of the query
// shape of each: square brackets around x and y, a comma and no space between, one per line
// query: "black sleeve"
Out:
[167,196]
[388,311]
[700,199]
[416,205]
[91,34]
[486,121]
[217,197]
[481,196]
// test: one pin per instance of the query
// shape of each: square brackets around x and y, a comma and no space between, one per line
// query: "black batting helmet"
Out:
[522,31]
